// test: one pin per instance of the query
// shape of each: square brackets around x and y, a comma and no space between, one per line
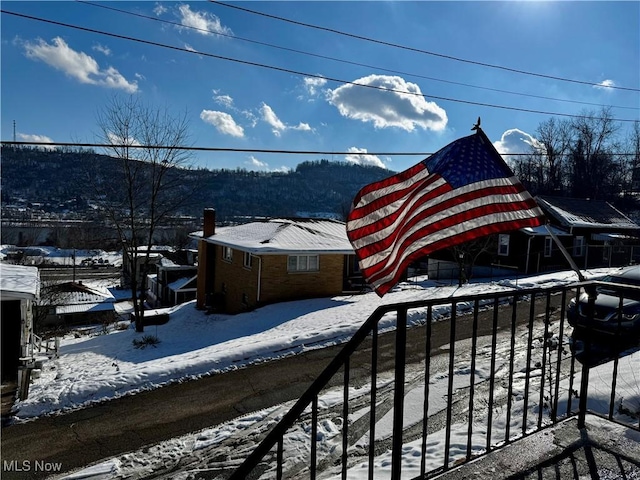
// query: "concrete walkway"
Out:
[602,450]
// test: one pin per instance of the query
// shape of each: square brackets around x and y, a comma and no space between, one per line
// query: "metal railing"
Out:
[424,386]
[39,345]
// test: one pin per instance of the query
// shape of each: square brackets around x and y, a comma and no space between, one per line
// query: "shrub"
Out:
[146,341]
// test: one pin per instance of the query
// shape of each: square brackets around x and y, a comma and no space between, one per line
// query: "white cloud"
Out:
[269,116]
[360,157]
[26,137]
[224,100]
[189,48]
[205,23]
[313,84]
[77,65]
[102,49]
[277,125]
[605,85]
[304,127]
[403,108]
[515,141]
[115,139]
[159,9]
[255,163]
[223,122]
[139,76]
[253,120]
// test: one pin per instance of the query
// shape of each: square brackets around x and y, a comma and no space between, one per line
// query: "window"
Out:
[578,246]
[227,254]
[503,244]
[248,260]
[548,246]
[302,263]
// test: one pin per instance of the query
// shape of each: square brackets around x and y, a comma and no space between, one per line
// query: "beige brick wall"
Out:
[276,283]
[239,282]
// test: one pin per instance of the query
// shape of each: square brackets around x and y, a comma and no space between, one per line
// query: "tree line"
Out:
[583,157]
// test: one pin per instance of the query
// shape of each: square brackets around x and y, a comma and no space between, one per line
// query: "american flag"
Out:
[462,192]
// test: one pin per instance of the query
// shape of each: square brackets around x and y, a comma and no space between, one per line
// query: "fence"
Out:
[424,386]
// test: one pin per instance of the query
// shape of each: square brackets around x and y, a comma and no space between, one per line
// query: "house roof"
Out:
[70,293]
[584,213]
[542,231]
[285,236]
[181,283]
[18,282]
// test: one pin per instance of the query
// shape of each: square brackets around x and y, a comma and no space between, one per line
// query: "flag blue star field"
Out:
[462,192]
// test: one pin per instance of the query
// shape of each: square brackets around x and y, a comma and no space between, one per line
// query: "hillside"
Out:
[61,180]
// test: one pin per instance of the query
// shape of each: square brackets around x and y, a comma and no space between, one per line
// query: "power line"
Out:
[296,72]
[349,62]
[240,150]
[418,50]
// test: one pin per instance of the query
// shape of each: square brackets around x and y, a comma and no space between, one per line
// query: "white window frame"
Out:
[227,254]
[247,260]
[578,246]
[548,246]
[303,263]
[504,252]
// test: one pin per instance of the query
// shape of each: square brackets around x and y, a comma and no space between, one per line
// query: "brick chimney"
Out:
[209,227]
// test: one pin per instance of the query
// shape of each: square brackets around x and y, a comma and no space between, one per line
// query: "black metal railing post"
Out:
[398,397]
[584,378]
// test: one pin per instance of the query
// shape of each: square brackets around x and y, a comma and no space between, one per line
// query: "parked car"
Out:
[606,319]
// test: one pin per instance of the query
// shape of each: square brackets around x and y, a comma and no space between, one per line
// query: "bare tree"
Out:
[554,141]
[594,171]
[150,144]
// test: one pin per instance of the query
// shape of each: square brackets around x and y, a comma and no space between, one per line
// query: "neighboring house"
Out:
[244,266]
[19,290]
[532,250]
[592,232]
[601,235]
[129,270]
[73,303]
[172,285]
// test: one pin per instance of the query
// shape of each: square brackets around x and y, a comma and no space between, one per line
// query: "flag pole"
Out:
[574,267]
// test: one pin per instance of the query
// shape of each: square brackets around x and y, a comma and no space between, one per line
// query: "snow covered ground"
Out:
[99,366]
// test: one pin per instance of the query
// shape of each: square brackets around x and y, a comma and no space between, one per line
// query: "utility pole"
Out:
[14,131]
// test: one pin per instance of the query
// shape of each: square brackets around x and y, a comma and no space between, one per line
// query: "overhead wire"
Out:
[296,72]
[242,150]
[348,62]
[417,50]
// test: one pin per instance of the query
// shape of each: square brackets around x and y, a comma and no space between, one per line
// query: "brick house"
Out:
[244,266]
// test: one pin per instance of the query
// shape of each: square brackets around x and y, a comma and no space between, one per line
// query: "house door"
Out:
[10,335]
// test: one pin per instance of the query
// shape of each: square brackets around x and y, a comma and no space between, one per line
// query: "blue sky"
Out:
[55,79]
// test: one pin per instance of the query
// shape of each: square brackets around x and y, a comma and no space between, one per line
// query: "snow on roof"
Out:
[19,282]
[180,283]
[541,230]
[282,236]
[85,308]
[70,294]
[578,212]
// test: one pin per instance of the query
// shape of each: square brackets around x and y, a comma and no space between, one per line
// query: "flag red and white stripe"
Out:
[462,192]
